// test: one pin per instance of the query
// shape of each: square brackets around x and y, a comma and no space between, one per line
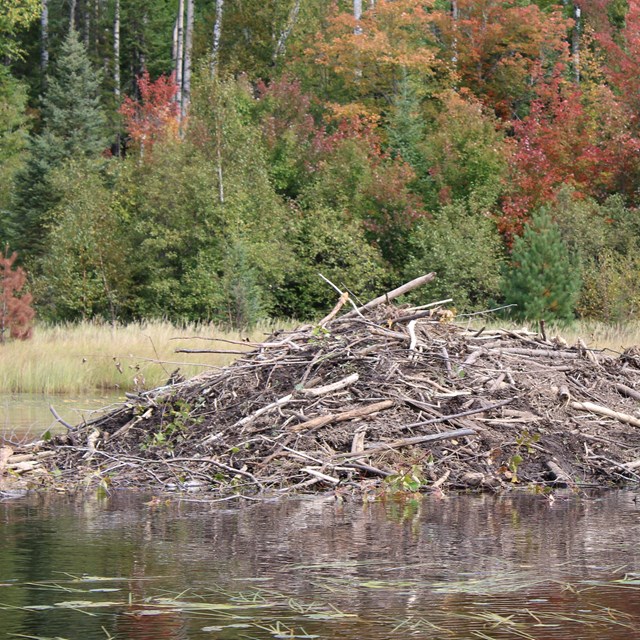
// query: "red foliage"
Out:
[16,312]
[568,138]
[155,116]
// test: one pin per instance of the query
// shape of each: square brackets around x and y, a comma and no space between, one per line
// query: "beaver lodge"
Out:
[380,398]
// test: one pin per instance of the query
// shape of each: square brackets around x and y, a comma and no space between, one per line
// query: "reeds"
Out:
[87,357]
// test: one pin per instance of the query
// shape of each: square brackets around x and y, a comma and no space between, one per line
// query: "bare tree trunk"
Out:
[116,51]
[575,42]
[180,52]
[455,15]
[217,34]
[286,31]
[188,50]
[357,14]
[72,15]
[87,23]
[44,37]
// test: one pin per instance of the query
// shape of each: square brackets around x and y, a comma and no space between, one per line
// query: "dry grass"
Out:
[89,356]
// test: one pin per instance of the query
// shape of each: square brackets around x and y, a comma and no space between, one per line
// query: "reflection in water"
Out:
[463,567]
[27,415]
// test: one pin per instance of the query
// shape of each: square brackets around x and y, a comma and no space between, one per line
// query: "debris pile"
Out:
[381,398]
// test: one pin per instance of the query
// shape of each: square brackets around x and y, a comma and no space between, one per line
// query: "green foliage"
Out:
[15,15]
[13,135]
[464,249]
[541,279]
[334,244]
[73,128]
[86,270]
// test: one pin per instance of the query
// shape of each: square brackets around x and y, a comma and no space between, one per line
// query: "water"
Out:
[27,415]
[136,567]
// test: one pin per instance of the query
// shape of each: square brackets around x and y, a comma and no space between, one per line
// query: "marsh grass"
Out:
[88,357]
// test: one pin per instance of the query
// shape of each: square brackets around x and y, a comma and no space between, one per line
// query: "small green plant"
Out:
[524,441]
[180,419]
[410,482]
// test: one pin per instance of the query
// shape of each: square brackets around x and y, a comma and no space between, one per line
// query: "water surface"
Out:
[137,567]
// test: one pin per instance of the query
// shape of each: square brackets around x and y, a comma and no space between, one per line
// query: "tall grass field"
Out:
[87,357]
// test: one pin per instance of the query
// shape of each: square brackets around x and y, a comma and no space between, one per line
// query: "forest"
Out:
[206,160]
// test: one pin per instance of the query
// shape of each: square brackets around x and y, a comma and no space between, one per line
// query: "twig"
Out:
[59,419]
[360,412]
[462,414]
[605,411]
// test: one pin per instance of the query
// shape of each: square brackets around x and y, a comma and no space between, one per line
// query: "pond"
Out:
[27,415]
[143,567]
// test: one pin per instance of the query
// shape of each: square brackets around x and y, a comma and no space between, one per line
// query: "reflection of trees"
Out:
[435,557]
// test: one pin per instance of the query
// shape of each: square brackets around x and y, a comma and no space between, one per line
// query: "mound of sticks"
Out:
[376,398]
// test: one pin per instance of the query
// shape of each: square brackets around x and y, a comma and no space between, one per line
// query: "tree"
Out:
[73,127]
[542,281]
[16,312]
[15,15]
[155,115]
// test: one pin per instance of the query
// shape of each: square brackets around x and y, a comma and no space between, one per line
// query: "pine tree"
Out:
[73,128]
[542,280]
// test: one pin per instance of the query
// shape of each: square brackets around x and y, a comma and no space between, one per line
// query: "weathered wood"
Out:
[628,391]
[359,412]
[387,297]
[605,411]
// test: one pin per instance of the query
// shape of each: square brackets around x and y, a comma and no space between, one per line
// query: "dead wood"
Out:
[358,398]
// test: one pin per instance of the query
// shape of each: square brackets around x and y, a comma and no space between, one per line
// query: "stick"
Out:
[605,411]
[628,391]
[407,442]
[462,414]
[59,419]
[321,476]
[360,412]
[546,353]
[314,391]
[411,328]
[334,312]
[387,297]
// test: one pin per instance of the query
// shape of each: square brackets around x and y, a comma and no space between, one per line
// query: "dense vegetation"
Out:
[205,160]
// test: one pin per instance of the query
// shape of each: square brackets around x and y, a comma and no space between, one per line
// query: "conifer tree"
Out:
[73,128]
[542,281]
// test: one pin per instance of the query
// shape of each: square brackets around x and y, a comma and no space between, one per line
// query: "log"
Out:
[605,411]
[387,297]
[359,412]
[628,391]
[407,442]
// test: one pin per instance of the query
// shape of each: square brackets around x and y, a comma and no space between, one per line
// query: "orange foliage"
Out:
[16,312]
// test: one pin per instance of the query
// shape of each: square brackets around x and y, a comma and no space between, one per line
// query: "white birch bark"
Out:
[188,50]
[575,42]
[357,14]
[217,34]
[180,52]
[116,51]
[44,36]
[286,31]
[72,15]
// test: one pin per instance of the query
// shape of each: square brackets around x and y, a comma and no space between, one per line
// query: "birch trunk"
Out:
[286,31]
[72,15]
[188,49]
[116,51]
[180,52]
[217,33]
[455,14]
[357,14]
[44,37]
[575,43]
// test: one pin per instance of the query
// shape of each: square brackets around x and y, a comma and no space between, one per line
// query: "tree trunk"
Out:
[188,49]
[575,43]
[357,14]
[180,52]
[455,15]
[72,15]
[217,34]
[44,38]
[116,51]
[286,31]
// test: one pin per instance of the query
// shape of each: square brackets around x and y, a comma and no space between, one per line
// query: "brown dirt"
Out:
[503,402]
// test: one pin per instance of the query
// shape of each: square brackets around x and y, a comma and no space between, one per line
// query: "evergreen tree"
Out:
[542,280]
[73,128]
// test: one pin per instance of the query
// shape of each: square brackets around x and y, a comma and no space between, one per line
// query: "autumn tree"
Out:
[16,312]
[155,115]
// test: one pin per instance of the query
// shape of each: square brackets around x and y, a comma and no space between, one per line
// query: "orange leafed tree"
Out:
[16,312]
[372,54]
[155,115]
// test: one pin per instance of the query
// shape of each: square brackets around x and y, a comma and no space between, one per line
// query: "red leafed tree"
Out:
[155,115]
[16,312]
